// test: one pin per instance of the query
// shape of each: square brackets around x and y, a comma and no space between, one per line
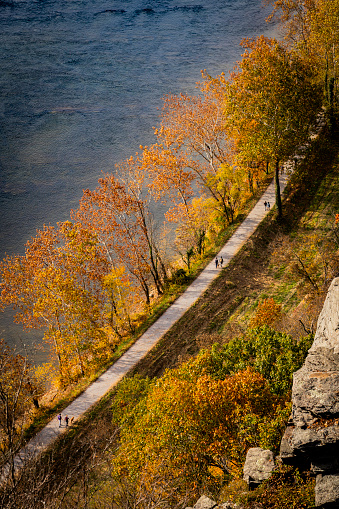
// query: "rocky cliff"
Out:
[311,439]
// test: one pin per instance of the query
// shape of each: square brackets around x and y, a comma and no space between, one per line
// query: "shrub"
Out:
[275,355]
[287,488]
[268,312]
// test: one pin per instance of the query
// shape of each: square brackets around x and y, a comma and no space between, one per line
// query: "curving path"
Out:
[149,339]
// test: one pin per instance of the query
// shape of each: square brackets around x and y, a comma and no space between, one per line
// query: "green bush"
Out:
[179,277]
[275,355]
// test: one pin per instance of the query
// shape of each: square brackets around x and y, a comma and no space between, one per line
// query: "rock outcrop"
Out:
[311,439]
[204,503]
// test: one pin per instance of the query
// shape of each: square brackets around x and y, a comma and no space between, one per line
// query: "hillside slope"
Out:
[312,199]
[267,266]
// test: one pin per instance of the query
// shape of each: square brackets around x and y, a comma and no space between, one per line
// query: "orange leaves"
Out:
[121,221]
[267,313]
[169,173]
[76,280]
[197,122]
[190,422]
[205,414]
[229,399]
[195,128]
[59,285]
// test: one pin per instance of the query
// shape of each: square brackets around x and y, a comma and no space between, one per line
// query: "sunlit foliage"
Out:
[197,421]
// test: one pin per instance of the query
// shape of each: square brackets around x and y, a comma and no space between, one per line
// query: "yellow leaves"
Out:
[311,29]
[216,472]
[196,128]
[199,420]
[116,278]
[58,285]
[46,373]
[272,101]
[198,414]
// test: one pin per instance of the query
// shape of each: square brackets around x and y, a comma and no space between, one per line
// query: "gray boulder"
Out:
[327,491]
[258,467]
[205,503]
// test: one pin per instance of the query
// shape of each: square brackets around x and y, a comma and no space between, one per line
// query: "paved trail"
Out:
[147,341]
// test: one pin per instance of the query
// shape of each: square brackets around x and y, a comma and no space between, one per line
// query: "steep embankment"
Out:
[256,272]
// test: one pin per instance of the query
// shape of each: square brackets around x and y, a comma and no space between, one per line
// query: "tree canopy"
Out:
[271,104]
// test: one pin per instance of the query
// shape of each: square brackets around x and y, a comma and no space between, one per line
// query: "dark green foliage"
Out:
[179,277]
[275,355]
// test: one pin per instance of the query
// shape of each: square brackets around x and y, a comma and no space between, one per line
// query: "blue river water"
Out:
[81,82]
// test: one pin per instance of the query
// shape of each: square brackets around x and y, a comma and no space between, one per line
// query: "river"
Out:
[81,82]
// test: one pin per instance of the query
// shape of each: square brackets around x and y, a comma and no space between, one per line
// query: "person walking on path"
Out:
[66,420]
[216,263]
[268,206]
[221,261]
[59,419]
[265,203]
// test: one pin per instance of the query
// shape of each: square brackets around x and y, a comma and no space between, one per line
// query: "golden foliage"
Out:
[268,312]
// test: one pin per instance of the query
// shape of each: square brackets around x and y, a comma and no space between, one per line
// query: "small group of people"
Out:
[67,421]
[219,262]
[267,205]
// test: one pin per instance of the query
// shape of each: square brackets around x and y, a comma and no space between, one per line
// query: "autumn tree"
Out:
[311,27]
[272,102]
[194,227]
[190,427]
[197,421]
[132,173]
[19,391]
[118,214]
[64,285]
[267,313]
[170,178]
[195,127]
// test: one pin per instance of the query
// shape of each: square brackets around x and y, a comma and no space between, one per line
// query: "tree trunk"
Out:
[277,190]
[250,180]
